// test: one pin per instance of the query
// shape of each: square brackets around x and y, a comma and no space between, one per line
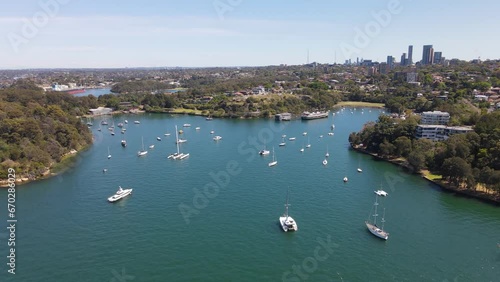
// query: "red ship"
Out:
[76,91]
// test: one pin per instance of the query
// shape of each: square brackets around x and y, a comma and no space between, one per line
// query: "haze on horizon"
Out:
[74,34]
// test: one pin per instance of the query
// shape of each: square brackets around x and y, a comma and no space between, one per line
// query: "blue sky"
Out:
[198,33]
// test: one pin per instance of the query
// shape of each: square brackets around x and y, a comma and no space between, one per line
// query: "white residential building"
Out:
[439,132]
[101,111]
[435,117]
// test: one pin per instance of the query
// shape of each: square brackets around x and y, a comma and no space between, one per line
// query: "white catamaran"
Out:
[178,155]
[287,223]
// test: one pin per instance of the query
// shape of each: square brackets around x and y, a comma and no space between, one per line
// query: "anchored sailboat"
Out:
[287,223]
[274,162]
[143,151]
[178,155]
[373,228]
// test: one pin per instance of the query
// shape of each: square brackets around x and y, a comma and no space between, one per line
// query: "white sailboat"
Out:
[109,154]
[282,142]
[359,168]
[308,143]
[373,228]
[287,222]
[178,155]
[327,154]
[143,151]
[274,162]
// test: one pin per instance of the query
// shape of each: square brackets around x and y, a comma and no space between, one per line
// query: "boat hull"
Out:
[288,224]
[377,231]
[116,198]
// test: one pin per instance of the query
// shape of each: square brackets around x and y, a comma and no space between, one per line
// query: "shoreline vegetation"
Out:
[483,194]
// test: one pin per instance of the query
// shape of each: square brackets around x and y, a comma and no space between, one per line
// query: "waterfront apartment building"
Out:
[439,132]
[435,117]
[428,55]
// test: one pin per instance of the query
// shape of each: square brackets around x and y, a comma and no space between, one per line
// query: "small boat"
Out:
[291,139]
[158,138]
[209,118]
[274,162]
[109,154]
[333,126]
[137,122]
[308,144]
[124,143]
[212,132]
[126,121]
[360,170]
[167,134]
[327,154]
[181,131]
[287,223]
[325,162]
[330,133]
[381,193]
[99,129]
[373,228]
[181,141]
[104,122]
[186,125]
[264,152]
[217,138]
[105,170]
[142,152]
[321,136]
[282,142]
[113,133]
[345,179]
[122,132]
[283,136]
[302,150]
[305,133]
[151,146]
[120,124]
[120,194]
[197,128]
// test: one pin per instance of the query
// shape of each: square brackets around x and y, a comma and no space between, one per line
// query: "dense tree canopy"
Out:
[37,129]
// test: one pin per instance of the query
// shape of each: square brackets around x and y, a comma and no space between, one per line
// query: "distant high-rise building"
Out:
[409,62]
[428,55]
[403,59]
[390,62]
[438,56]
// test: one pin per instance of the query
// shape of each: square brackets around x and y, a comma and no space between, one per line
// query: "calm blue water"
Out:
[67,231]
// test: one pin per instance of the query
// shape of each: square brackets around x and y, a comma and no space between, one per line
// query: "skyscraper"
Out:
[438,56]
[403,59]
[390,62]
[428,55]
[410,55]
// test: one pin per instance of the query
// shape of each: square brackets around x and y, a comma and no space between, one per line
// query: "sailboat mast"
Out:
[375,214]
[286,205]
[177,139]
[383,219]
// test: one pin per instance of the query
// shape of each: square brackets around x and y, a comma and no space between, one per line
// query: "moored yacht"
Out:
[121,193]
[217,138]
[287,222]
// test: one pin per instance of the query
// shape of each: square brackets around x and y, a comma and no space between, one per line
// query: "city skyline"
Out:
[71,34]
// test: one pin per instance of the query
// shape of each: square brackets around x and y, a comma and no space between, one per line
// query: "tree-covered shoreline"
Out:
[38,129]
